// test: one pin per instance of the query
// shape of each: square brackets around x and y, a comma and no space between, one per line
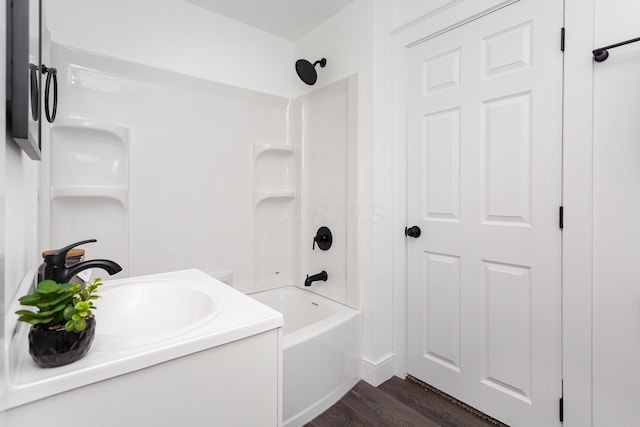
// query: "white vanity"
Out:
[218,364]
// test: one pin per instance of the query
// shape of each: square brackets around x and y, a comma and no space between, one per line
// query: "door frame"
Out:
[577,250]
[577,195]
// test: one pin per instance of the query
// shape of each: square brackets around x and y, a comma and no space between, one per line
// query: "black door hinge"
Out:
[562,39]
[561,221]
[561,414]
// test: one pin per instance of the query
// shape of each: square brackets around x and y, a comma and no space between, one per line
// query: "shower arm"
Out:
[322,62]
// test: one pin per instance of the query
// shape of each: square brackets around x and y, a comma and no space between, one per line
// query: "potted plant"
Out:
[63,326]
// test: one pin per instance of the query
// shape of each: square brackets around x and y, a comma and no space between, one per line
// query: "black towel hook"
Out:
[601,54]
[51,73]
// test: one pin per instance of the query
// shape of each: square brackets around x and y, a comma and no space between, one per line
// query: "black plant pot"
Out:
[50,349]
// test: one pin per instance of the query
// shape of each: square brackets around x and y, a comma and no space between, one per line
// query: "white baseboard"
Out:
[377,373]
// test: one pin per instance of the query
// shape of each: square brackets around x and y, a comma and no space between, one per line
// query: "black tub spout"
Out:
[316,277]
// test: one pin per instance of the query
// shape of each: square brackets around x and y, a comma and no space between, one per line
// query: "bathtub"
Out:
[321,351]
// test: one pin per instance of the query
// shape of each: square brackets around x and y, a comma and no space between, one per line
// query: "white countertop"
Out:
[240,317]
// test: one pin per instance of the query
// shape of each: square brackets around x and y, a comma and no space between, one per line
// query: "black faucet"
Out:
[55,264]
[316,277]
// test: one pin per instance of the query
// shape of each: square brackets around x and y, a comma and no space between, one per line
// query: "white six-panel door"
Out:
[484,185]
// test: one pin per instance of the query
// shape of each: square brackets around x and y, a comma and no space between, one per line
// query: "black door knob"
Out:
[414,231]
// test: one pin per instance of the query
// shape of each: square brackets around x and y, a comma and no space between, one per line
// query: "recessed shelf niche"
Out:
[274,194]
[89,187]
[274,167]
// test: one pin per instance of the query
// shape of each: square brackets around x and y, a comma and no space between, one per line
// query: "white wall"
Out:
[345,41]
[616,229]
[178,36]
[18,195]
[20,217]
[390,347]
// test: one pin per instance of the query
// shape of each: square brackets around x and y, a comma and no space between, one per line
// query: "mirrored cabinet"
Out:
[26,74]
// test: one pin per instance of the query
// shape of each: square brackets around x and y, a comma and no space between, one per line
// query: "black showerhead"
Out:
[307,71]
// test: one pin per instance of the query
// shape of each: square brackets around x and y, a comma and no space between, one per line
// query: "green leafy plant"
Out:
[60,304]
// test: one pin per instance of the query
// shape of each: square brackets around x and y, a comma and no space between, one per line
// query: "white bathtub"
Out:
[321,351]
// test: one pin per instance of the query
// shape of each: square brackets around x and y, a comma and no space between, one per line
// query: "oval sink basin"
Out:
[136,312]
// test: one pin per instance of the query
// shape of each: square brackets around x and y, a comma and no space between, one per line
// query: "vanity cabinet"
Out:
[235,384]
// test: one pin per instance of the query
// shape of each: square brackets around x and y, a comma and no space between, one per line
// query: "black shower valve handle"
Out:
[322,238]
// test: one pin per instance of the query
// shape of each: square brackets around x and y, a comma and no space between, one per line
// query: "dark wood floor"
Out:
[398,402]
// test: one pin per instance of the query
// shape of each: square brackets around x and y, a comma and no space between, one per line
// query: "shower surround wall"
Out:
[188,199]
[172,172]
[328,187]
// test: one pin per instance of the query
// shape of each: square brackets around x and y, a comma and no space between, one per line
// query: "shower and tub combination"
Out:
[321,345]
[248,170]
[320,351]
